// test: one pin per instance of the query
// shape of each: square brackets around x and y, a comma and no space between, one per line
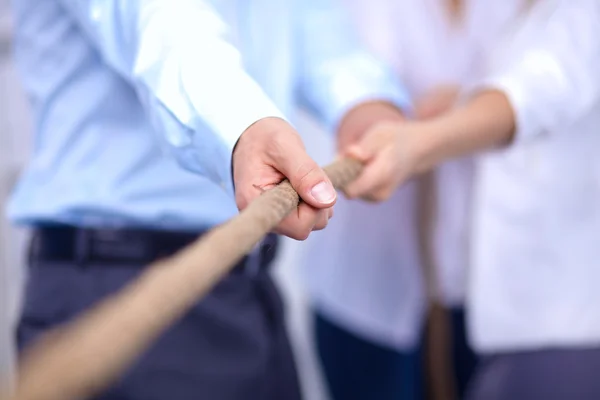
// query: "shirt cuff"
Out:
[532,86]
[347,90]
[233,105]
[208,150]
[517,97]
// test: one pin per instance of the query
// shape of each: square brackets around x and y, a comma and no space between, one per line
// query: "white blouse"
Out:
[536,232]
[364,270]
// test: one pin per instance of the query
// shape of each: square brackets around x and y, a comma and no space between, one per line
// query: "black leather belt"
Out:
[123,247]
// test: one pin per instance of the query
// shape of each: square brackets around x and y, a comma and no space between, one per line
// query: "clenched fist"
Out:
[270,151]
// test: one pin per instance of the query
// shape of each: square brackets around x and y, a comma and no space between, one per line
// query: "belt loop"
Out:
[82,246]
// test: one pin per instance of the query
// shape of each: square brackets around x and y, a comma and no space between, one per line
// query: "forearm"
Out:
[545,75]
[188,76]
[485,122]
[548,67]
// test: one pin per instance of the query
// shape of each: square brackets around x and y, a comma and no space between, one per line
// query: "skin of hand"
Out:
[362,119]
[269,151]
[396,151]
[436,101]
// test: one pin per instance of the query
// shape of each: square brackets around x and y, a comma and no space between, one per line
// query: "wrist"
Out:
[429,145]
[268,126]
[486,122]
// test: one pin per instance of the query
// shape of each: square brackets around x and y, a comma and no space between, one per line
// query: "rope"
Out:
[83,357]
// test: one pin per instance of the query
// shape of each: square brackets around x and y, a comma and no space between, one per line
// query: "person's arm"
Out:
[486,121]
[547,77]
[436,101]
[191,82]
[186,72]
[341,82]
[549,67]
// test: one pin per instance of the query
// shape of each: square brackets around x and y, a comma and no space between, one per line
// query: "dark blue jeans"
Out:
[357,369]
[551,374]
[465,359]
[231,346]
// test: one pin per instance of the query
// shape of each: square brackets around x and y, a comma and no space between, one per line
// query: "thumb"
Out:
[308,179]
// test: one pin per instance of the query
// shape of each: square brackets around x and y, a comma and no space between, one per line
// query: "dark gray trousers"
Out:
[568,374]
[231,346]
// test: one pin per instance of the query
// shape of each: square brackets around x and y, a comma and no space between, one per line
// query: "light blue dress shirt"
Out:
[138,103]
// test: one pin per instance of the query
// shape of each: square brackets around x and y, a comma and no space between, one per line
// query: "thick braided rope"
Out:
[85,356]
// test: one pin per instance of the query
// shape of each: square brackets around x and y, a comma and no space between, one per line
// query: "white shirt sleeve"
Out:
[189,77]
[336,71]
[549,65]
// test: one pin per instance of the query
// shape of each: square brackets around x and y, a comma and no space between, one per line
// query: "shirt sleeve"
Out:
[188,74]
[549,66]
[336,72]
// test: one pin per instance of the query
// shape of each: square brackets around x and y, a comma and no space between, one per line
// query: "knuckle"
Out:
[354,190]
[302,235]
[304,226]
[319,228]
[378,197]
[241,200]
[383,195]
[349,194]
[295,233]
[323,221]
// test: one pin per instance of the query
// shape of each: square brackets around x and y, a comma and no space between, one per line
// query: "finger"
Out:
[322,221]
[375,177]
[372,143]
[385,189]
[306,177]
[379,194]
[359,153]
[300,223]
